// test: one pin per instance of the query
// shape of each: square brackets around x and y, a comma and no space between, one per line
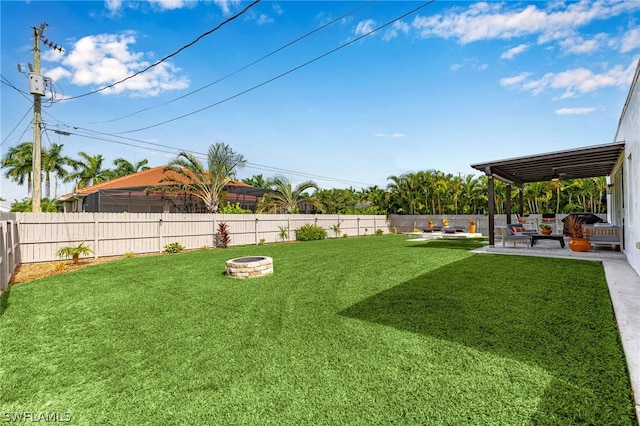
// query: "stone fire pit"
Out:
[250,267]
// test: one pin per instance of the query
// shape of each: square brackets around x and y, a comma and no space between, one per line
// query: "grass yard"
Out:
[357,331]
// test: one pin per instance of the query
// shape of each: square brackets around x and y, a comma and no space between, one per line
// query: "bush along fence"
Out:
[39,236]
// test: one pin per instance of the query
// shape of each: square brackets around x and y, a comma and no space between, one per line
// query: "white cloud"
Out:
[113,5]
[364,27]
[103,59]
[398,135]
[577,80]
[511,53]
[226,5]
[172,4]
[630,41]
[578,45]
[488,21]
[264,19]
[512,81]
[575,111]
[396,28]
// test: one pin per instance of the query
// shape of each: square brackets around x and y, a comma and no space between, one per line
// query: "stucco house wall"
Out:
[629,132]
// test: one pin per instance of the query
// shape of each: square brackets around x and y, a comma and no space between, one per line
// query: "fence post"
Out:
[95,236]
[255,230]
[3,256]
[160,235]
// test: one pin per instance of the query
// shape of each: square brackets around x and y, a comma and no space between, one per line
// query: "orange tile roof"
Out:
[146,178]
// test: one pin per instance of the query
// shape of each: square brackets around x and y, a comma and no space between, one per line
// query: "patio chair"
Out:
[513,233]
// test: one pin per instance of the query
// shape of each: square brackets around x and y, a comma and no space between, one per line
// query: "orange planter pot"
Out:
[472,229]
[546,231]
[579,244]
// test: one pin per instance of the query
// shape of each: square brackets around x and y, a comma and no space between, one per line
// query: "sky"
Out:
[342,93]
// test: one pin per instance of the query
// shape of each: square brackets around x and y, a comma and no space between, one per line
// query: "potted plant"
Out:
[577,242]
[445,221]
[74,252]
[430,222]
[545,229]
[472,224]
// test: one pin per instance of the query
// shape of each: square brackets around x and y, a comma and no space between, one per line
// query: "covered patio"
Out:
[587,162]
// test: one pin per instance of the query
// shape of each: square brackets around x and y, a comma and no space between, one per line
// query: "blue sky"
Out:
[449,85]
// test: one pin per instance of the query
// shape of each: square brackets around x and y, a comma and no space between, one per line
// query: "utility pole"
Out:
[37,89]
[37,118]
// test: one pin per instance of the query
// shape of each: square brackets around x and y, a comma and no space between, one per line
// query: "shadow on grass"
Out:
[551,313]
[4,300]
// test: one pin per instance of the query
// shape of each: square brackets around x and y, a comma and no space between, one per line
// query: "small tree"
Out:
[74,252]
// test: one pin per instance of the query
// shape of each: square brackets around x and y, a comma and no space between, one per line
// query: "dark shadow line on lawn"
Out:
[478,303]
[4,300]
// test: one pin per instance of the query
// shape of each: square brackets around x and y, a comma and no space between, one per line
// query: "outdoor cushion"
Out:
[516,229]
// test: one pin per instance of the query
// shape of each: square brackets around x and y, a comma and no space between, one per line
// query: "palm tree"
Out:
[189,175]
[125,168]
[87,173]
[19,164]
[258,181]
[53,163]
[285,198]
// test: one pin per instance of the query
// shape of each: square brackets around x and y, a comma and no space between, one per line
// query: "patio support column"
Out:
[521,200]
[507,201]
[490,188]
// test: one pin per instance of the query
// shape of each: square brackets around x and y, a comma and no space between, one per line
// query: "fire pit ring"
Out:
[250,267]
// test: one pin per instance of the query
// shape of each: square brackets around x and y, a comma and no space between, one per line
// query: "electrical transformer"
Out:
[36,84]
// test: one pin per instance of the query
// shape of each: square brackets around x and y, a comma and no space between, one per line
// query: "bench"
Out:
[604,235]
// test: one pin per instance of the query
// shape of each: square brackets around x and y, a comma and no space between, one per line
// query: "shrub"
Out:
[262,241]
[129,254]
[394,230]
[203,248]
[336,229]
[379,231]
[59,266]
[223,232]
[233,209]
[310,232]
[345,235]
[284,232]
[174,247]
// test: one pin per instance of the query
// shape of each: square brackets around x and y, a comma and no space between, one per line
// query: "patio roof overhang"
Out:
[586,162]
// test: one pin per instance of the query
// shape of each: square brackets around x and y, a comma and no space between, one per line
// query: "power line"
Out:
[264,83]
[79,131]
[217,27]
[16,126]
[244,67]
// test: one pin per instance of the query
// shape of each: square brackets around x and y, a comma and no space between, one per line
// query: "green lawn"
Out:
[357,331]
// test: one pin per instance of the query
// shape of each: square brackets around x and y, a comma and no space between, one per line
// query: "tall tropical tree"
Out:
[18,165]
[189,175]
[258,181]
[53,163]
[87,171]
[126,168]
[286,199]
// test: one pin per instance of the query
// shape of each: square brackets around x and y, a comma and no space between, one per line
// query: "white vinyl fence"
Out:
[39,235]
[9,250]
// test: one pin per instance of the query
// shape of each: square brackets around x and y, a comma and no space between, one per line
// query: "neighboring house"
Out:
[143,192]
[625,177]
